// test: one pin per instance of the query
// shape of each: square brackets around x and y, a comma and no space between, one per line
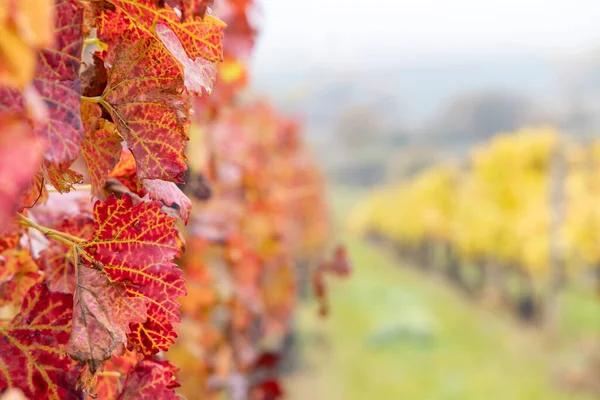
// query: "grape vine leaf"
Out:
[145,98]
[135,246]
[150,379]
[58,260]
[18,273]
[17,147]
[191,8]
[57,82]
[107,385]
[101,146]
[171,195]
[126,172]
[198,74]
[102,313]
[24,28]
[32,356]
[155,189]
[202,38]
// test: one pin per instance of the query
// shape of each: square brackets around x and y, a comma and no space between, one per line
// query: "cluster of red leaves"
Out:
[90,289]
[243,248]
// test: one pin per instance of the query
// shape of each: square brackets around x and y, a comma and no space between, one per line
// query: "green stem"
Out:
[59,236]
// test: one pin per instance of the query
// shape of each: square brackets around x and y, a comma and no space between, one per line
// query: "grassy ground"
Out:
[395,334]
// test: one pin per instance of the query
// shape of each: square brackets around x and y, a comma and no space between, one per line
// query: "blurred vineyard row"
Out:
[513,222]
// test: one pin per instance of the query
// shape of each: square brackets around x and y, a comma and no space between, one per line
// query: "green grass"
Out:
[396,334]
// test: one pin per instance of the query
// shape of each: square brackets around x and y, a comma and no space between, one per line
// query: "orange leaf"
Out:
[24,28]
[18,273]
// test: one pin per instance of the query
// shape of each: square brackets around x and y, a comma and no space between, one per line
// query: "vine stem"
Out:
[109,373]
[75,187]
[59,236]
[98,99]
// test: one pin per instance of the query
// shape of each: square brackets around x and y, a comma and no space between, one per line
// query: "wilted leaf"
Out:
[32,345]
[150,379]
[102,313]
[135,246]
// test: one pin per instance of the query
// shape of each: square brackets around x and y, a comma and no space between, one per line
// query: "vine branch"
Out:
[59,236]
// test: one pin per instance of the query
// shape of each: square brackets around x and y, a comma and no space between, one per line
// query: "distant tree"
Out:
[477,116]
[357,127]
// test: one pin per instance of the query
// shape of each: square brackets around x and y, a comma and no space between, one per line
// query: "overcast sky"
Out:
[300,35]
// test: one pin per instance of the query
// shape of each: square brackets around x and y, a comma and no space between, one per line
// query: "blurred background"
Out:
[460,141]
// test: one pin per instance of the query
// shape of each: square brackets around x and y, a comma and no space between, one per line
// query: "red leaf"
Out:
[57,81]
[17,148]
[102,313]
[101,146]
[201,37]
[150,379]
[108,385]
[32,356]
[58,260]
[198,74]
[135,245]
[171,195]
[145,97]
[126,172]
[18,273]
[268,390]
[191,8]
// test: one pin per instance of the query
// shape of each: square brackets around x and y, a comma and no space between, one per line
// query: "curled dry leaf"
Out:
[102,314]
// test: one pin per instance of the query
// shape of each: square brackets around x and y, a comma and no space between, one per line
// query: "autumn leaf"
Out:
[24,28]
[32,356]
[101,146]
[18,273]
[17,147]
[199,74]
[200,37]
[191,8]
[115,371]
[57,82]
[102,313]
[145,98]
[126,172]
[155,189]
[58,260]
[135,246]
[171,195]
[150,379]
